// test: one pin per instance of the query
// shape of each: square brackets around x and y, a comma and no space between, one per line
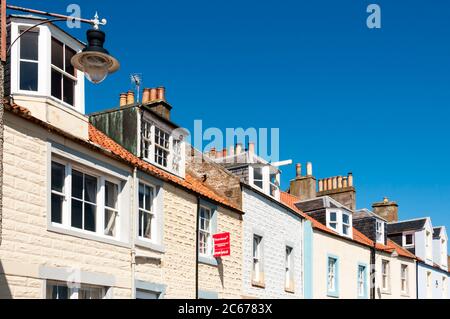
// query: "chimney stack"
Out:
[304,187]
[339,188]
[386,209]
[130,98]
[123,99]
[157,98]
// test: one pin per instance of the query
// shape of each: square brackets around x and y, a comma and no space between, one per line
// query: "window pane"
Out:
[147,226]
[333,217]
[90,189]
[28,76]
[90,293]
[56,84]
[57,208]
[77,214]
[110,223]
[69,67]
[58,175]
[148,198]
[29,46]
[57,54]
[346,219]
[77,184]
[57,292]
[69,90]
[111,193]
[141,195]
[89,217]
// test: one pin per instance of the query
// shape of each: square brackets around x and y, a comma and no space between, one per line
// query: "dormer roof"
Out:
[407,225]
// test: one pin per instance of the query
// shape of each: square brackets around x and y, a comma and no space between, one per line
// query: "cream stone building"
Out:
[85,218]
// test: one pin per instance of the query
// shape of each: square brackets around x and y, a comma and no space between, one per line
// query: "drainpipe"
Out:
[197,234]
[373,272]
[133,235]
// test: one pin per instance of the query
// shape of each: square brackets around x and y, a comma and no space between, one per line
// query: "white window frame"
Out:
[404,276]
[412,234]
[46,32]
[429,279]
[339,221]
[267,184]
[262,180]
[74,289]
[444,256]
[63,73]
[115,210]
[385,275]
[380,231]
[209,249]
[149,146]
[100,205]
[20,60]
[444,288]
[257,258]
[154,216]
[289,270]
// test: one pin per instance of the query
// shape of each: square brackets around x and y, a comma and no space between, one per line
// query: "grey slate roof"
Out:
[409,225]
[316,204]
[365,213]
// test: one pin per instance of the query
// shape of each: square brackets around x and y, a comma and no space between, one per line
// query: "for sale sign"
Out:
[222,245]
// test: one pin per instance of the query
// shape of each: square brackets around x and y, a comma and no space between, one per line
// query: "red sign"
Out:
[222,246]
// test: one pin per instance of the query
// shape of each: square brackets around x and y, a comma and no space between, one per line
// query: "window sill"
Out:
[386,292]
[159,248]
[258,284]
[333,294]
[207,261]
[93,237]
[289,290]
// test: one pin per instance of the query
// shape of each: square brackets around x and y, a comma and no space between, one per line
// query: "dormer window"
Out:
[408,240]
[340,221]
[63,78]
[40,66]
[29,61]
[380,232]
[162,148]
[265,178]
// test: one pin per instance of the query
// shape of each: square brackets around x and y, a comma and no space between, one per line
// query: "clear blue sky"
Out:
[374,102]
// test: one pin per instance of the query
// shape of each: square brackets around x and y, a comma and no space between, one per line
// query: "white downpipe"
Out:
[133,235]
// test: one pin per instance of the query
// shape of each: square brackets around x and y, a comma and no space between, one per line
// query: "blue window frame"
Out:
[333,276]
[362,281]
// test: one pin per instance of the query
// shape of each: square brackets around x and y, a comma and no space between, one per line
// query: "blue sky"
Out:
[373,102]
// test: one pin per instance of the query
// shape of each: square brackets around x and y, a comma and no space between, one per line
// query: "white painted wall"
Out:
[350,255]
[395,291]
[437,291]
[279,227]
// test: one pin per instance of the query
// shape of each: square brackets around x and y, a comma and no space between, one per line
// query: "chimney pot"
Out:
[309,169]
[330,183]
[224,152]
[339,182]
[238,149]
[153,94]
[350,180]
[146,96]
[345,182]
[298,169]
[212,153]
[321,185]
[130,97]
[334,182]
[161,93]
[123,99]
[251,149]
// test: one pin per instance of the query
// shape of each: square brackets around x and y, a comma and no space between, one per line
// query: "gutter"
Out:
[373,272]
[133,237]
[197,235]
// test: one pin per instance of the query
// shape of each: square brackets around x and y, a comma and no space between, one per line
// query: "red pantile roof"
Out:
[107,145]
[358,237]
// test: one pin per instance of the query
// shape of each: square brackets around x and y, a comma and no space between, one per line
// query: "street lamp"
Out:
[94,61]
